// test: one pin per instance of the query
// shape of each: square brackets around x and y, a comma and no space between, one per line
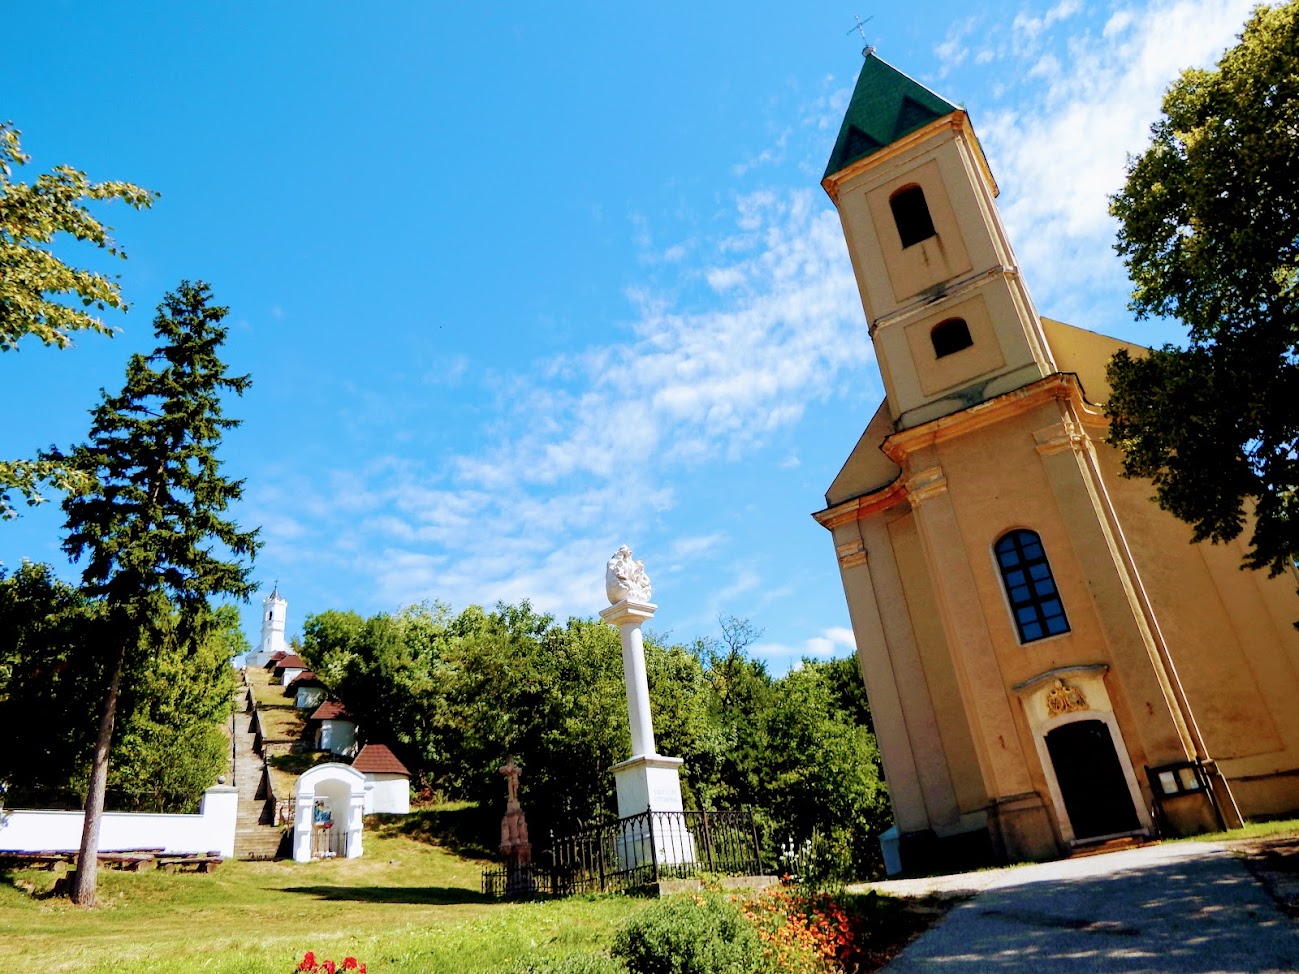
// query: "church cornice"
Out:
[958,121]
[850,511]
[1057,386]
[933,300]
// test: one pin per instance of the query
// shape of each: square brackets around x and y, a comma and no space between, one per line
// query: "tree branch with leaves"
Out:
[1209,230]
[40,294]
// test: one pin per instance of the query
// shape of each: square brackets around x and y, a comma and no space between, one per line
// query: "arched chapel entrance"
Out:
[1092,784]
[1089,777]
[329,801]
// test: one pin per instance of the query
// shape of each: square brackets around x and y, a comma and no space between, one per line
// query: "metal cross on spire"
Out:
[860,28]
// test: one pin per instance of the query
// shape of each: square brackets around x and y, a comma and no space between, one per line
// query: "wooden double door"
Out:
[1092,783]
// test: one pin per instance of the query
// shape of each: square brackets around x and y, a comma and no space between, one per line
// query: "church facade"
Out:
[1049,661]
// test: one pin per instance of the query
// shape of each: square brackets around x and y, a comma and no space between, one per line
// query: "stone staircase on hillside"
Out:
[256,835]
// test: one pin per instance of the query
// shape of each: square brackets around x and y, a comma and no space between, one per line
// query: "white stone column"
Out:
[220,813]
[302,822]
[628,617]
[647,782]
[355,820]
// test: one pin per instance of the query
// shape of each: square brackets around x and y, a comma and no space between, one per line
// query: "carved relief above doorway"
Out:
[1092,785]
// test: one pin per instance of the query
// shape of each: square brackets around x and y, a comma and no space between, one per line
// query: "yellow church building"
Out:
[1050,663]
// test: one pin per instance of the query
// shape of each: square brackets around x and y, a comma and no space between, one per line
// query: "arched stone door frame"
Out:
[1068,695]
[341,782]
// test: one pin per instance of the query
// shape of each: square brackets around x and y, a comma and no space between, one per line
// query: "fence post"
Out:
[599,852]
[708,839]
[757,849]
[654,850]
[554,869]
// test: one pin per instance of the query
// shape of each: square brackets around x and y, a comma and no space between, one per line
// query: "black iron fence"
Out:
[636,852]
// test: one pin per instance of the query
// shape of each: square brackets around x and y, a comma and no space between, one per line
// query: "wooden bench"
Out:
[190,862]
[46,859]
[130,861]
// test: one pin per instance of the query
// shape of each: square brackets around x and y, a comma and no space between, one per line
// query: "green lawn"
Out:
[405,907]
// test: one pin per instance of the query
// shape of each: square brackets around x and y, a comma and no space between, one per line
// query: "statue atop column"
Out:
[625,578]
[648,783]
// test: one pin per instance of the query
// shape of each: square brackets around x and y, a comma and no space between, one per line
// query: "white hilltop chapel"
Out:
[274,611]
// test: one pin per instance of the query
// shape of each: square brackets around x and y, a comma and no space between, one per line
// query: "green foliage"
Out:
[36,284]
[51,679]
[456,694]
[697,934]
[1210,234]
[31,217]
[822,771]
[169,744]
[151,533]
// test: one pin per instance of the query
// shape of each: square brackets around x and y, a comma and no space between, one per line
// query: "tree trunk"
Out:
[83,890]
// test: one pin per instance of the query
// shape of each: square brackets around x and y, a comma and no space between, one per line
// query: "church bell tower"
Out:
[274,612]
[952,323]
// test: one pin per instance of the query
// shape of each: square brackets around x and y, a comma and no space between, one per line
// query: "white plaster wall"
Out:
[211,830]
[386,794]
[289,674]
[309,697]
[337,736]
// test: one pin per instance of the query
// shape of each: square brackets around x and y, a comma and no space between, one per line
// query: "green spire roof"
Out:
[885,106]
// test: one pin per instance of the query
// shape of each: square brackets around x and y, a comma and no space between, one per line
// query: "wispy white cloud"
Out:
[1058,159]
[1028,28]
[953,50]
[588,458]
[831,642]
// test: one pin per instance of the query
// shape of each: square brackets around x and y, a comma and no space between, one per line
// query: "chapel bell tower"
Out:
[274,612]
[952,322]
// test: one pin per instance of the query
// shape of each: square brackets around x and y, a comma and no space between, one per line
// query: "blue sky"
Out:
[518,283]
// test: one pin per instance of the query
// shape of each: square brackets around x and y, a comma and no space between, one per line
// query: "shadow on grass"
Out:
[467,831]
[32,884]
[410,895]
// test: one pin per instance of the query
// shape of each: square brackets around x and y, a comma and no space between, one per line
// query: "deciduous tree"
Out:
[1210,234]
[153,534]
[51,677]
[40,294]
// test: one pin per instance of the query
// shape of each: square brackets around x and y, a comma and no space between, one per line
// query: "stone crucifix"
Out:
[515,846]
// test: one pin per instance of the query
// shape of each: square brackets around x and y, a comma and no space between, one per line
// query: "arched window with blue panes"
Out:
[1030,587]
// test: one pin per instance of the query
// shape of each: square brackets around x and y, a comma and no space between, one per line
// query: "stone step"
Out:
[1084,849]
[258,845]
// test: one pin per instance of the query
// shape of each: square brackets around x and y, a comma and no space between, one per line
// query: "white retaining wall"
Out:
[211,830]
[387,793]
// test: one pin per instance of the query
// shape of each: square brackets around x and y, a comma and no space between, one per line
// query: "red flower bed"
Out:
[310,965]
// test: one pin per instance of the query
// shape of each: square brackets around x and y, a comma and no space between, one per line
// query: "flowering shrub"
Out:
[310,965]
[803,932]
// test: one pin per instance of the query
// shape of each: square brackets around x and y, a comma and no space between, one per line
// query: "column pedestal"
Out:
[653,817]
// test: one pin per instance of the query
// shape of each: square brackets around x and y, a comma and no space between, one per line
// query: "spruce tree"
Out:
[152,534]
